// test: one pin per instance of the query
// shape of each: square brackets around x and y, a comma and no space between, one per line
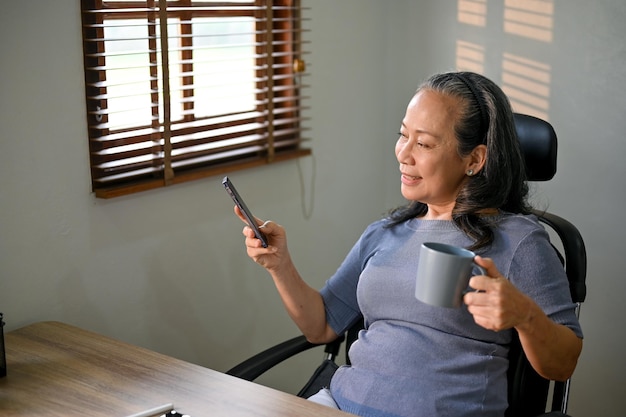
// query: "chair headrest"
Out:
[538,142]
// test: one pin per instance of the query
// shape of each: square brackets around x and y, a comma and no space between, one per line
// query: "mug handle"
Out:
[483,271]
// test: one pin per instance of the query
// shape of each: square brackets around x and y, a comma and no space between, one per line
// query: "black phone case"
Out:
[232,191]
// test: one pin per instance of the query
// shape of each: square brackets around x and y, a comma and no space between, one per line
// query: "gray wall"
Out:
[166,269]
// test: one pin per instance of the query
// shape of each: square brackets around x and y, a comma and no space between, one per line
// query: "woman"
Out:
[462,172]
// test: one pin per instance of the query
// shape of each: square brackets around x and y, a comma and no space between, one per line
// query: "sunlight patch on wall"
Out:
[472,12]
[470,57]
[532,19]
[527,84]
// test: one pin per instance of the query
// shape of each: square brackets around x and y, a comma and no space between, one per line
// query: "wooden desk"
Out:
[59,370]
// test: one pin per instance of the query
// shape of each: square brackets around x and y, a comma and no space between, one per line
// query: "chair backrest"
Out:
[528,392]
[538,142]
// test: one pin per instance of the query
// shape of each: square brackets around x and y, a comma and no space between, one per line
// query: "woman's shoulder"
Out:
[377,227]
[526,221]
[521,226]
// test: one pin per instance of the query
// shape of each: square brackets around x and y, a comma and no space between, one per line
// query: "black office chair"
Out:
[528,393]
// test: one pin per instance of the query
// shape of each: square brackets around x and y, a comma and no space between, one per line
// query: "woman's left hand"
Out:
[496,304]
[552,349]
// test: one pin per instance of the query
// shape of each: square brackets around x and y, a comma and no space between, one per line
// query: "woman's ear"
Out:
[477,160]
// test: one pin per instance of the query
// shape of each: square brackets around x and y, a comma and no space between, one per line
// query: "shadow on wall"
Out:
[524,79]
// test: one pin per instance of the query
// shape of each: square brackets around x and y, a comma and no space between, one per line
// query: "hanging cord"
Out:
[299,67]
[307,212]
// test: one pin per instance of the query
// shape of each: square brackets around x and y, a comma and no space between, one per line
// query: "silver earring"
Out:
[470,172]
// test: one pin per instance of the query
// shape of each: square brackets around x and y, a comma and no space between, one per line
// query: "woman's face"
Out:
[432,170]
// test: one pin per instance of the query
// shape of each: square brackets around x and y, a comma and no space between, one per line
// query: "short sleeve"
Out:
[536,270]
[340,291]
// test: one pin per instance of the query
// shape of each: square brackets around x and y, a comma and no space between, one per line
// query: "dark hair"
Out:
[485,118]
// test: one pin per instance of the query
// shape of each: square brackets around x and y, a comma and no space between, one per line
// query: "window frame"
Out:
[167,150]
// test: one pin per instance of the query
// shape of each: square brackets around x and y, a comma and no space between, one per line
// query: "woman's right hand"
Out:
[276,254]
[303,303]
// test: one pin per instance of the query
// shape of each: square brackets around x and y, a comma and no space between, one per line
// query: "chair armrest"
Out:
[258,364]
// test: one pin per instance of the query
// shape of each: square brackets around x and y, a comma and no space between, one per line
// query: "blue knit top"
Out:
[418,360]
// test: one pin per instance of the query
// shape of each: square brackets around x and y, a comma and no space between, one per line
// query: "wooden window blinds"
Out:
[182,89]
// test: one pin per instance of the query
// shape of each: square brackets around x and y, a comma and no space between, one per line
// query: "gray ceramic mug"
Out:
[443,274]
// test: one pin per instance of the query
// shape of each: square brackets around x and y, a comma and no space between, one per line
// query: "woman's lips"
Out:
[409,179]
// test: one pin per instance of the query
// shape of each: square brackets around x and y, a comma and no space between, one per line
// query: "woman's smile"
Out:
[409,179]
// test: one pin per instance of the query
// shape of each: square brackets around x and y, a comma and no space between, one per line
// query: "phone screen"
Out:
[230,189]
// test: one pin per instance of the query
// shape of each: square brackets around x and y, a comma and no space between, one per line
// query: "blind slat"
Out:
[225,165]
[121,157]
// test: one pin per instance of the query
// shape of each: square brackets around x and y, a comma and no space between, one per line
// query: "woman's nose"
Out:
[403,152]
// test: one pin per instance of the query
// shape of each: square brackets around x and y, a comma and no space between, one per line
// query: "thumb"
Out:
[488,265]
[239,214]
[267,226]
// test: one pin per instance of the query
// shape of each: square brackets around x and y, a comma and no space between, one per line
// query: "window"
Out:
[217,88]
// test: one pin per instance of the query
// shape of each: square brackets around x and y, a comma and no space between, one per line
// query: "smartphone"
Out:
[230,189]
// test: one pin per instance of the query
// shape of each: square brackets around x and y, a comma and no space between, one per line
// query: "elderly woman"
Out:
[462,172]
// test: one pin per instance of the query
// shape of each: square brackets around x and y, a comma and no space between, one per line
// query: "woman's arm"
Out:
[303,303]
[552,349]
